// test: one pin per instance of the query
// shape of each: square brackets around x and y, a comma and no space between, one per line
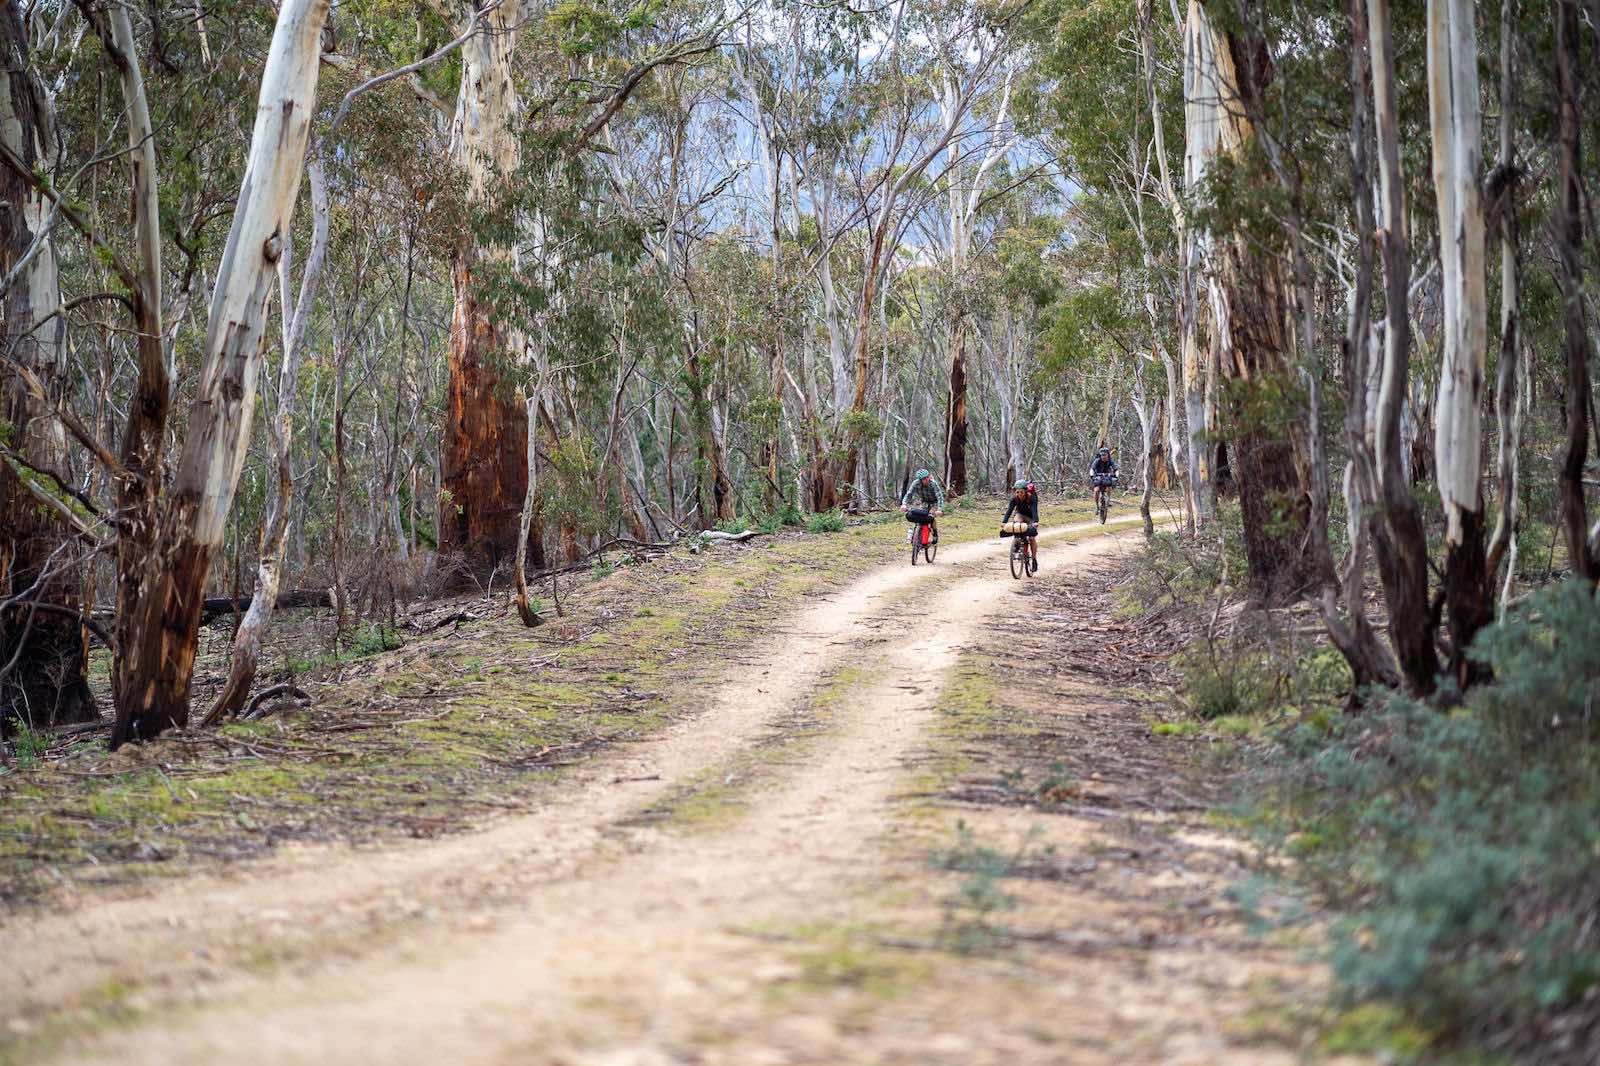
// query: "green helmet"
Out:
[920,474]
[1020,485]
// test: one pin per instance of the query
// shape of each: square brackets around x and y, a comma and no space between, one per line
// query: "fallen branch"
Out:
[717,534]
[215,606]
[276,690]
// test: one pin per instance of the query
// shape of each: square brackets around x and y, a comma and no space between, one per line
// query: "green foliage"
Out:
[28,745]
[825,522]
[601,568]
[1463,845]
[979,900]
[374,639]
[862,427]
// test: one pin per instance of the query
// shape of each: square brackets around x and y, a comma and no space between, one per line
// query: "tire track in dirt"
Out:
[514,929]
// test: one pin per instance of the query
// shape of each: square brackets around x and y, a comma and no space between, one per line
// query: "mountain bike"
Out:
[1021,557]
[922,542]
[1021,563]
[1103,484]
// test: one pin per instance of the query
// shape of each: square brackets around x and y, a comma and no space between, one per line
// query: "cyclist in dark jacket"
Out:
[1102,472]
[1025,505]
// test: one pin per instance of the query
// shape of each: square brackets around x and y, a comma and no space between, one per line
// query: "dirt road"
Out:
[751,886]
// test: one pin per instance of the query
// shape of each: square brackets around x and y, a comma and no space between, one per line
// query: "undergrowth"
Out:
[1456,849]
[1461,848]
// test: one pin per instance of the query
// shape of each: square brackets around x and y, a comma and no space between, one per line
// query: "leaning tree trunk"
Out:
[138,486]
[157,664]
[274,532]
[1370,661]
[1456,122]
[1402,555]
[1581,548]
[42,660]
[484,476]
[530,503]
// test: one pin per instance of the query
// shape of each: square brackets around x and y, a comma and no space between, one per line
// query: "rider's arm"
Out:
[938,492]
[905,501]
[1011,506]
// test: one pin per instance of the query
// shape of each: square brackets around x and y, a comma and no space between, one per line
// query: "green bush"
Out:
[825,522]
[1462,847]
[373,639]
[732,525]
[30,746]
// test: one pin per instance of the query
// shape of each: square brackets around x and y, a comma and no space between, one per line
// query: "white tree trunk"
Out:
[1202,97]
[280,493]
[1456,122]
[165,625]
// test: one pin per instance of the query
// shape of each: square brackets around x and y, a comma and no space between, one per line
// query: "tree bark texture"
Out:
[1581,550]
[484,462]
[1402,555]
[275,530]
[955,474]
[1456,124]
[1272,459]
[42,652]
[157,664]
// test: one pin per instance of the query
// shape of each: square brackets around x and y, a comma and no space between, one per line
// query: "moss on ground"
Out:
[428,737]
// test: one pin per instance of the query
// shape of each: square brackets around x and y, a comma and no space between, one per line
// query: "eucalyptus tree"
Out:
[43,679]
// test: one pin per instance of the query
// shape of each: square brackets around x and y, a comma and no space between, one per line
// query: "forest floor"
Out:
[822,807]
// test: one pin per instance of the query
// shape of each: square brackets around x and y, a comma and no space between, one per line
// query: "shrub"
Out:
[825,522]
[30,746]
[1463,845]
[373,639]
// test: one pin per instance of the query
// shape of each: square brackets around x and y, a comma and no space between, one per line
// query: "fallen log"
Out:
[214,607]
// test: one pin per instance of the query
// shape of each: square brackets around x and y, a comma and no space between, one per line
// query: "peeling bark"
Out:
[158,663]
[274,531]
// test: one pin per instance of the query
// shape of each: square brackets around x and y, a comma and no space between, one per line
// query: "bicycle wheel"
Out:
[929,552]
[1019,564]
[916,548]
[1103,506]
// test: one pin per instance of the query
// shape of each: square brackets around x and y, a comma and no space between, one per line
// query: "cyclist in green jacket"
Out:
[926,494]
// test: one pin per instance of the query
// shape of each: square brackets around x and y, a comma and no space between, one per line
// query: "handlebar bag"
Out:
[1013,528]
[919,516]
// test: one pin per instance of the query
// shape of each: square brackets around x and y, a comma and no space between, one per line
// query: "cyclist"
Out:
[1025,505]
[926,494]
[1102,472]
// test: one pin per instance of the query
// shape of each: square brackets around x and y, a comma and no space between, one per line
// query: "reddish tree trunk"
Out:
[485,466]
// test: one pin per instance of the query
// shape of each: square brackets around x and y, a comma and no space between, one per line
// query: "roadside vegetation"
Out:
[1442,851]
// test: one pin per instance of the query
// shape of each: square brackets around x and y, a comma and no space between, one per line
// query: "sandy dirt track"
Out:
[645,912]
